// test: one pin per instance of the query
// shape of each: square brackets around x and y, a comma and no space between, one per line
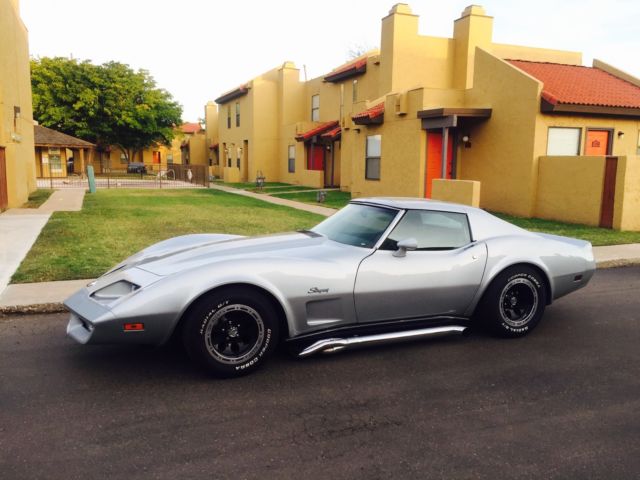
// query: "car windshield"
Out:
[357,225]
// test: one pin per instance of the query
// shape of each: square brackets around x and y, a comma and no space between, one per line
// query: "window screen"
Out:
[292,159]
[563,141]
[374,150]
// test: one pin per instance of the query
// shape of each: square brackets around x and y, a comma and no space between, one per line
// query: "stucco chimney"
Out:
[398,35]
[473,29]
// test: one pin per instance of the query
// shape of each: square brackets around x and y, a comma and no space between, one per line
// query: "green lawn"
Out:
[113,224]
[334,198]
[269,187]
[249,185]
[288,188]
[597,236]
[38,197]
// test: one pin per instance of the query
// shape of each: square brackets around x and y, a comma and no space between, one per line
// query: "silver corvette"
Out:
[379,270]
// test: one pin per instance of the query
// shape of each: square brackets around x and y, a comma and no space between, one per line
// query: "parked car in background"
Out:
[136,167]
[379,270]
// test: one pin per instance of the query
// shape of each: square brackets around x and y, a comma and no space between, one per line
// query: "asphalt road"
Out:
[562,403]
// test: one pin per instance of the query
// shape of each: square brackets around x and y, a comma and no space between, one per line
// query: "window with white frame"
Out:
[123,158]
[354,92]
[292,158]
[169,157]
[372,160]
[237,114]
[228,116]
[563,141]
[55,161]
[315,108]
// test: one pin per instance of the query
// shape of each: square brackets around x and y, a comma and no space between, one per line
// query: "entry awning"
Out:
[332,135]
[350,70]
[450,117]
[233,94]
[318,130]
[373,115]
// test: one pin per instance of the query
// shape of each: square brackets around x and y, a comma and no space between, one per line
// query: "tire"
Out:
[514,303]
[231,332]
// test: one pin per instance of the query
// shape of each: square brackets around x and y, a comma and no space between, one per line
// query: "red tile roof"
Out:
[320,129]
[374,114]
[333,134]
[577,85]
[233,94]
[350,70]
[190,127]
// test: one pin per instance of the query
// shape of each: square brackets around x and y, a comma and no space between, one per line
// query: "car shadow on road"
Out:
[131,363]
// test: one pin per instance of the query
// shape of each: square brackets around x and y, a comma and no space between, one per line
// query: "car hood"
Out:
[194,251]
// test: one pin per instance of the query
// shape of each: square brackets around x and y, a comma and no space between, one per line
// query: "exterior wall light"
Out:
[466,141]
[620,135]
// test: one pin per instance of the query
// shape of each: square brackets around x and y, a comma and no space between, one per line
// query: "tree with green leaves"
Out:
[108,104]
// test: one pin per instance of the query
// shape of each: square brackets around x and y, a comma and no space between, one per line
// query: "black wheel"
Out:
[514,302]
[231,332]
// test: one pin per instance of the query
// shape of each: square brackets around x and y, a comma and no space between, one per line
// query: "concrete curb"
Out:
[32,309]
[626,262]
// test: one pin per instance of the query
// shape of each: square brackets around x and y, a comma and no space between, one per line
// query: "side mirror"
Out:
[404,245]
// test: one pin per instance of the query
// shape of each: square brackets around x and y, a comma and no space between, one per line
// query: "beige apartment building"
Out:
[17,166]
[516,129]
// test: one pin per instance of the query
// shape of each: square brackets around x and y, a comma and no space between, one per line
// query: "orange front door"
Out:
[156,157]
[597,142]
[434,159]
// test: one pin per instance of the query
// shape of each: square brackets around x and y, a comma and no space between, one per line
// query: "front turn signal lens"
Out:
[134,327]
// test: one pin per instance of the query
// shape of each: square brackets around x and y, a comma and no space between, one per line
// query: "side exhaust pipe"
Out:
[332,345]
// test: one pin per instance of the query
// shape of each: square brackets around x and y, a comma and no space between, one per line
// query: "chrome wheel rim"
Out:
[518,302]
[234,334]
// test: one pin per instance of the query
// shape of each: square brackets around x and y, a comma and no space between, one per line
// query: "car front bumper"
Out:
[93,323]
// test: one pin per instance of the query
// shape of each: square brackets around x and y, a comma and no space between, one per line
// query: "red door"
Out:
[597,142]
[156,157]
[434,159]
[316,157]
[4,196]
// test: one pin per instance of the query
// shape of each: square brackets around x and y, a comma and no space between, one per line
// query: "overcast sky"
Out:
[198,49]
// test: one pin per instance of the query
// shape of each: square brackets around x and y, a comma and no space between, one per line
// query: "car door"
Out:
[440,277]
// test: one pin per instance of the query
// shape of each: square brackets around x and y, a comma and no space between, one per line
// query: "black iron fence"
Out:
[135,175]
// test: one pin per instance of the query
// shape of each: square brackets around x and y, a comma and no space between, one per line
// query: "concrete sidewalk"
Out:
[20,227]
[325,211]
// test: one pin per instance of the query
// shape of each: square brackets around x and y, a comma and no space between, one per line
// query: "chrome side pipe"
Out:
[332,345]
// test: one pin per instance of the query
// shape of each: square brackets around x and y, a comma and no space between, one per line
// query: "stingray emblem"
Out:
[318,290]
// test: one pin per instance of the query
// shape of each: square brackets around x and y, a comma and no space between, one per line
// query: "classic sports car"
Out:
[379,270]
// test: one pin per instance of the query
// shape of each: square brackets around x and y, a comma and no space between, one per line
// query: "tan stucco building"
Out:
[59,154]
[188,147]
[17,168]
[461,118]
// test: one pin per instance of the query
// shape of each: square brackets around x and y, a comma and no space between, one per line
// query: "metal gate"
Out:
[135,175]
